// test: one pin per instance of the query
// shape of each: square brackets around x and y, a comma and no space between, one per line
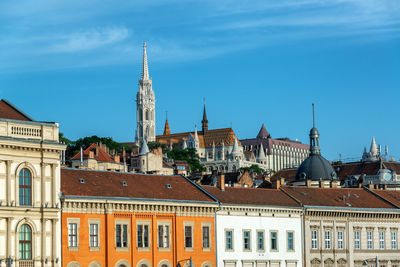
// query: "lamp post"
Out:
[190,262]
[375,259]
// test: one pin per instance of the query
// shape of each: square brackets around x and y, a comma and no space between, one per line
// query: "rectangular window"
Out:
[381,240]
[206,237]
[143,235]
[290,241]
[94,235]
[246,240]
[314,239]
[188,237]
[327,239]
[72,235]
[274,240]
[357,239]
[369,240]
[229,240]
[163,236]
[340,239]
[121,235]
[394,240]
[260,240]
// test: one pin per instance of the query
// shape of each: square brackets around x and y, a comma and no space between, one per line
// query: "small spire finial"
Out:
[145,67]
[313,116]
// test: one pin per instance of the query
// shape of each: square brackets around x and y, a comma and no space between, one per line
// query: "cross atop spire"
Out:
[145,67]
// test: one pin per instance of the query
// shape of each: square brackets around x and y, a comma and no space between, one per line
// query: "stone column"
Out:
[8,245]
[43,242]
[8,181]
[42,184]
[54,241]
[54,184]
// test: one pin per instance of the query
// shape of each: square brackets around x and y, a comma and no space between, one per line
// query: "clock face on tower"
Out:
[387,177]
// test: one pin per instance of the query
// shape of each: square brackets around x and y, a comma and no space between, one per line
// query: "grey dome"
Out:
[315,168]
[314,131]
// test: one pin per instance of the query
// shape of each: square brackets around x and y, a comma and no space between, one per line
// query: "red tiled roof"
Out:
[393,196]
[336,197]
[9,111]
[109,184]
[102,155]
[251,196]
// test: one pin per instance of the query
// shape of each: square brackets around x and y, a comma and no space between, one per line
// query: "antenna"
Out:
[313,117]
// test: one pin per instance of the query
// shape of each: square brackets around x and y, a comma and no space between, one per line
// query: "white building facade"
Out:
[29,191]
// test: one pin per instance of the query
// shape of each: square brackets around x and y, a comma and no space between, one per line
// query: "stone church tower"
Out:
[145,106]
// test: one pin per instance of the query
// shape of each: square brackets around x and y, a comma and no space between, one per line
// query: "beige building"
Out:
[29,189]
[150,162]
[345,227]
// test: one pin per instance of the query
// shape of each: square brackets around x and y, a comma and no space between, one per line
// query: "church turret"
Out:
[145,105]
[167,131]
[235,151]
[261,155]
[204,122]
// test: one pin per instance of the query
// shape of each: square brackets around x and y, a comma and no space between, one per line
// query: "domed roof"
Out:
[315,168]
[314,131]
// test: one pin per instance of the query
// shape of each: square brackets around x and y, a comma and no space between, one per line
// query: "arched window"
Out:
[25,242]
[25,187]
[147,115]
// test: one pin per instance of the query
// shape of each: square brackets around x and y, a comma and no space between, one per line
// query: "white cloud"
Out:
[88,40]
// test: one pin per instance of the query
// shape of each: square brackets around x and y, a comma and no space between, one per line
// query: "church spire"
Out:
[204,122]
[314,138]
[167,131]
[145,67]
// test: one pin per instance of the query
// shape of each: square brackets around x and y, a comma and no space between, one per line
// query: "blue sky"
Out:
[78,62]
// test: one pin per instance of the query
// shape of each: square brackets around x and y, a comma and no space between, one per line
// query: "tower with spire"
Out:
[145,106]
[204,122]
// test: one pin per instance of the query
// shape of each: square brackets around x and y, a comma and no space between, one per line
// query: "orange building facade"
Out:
[135,220]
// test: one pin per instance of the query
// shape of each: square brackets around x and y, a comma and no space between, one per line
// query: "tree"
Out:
[253,169]
[155,145]
[188,154]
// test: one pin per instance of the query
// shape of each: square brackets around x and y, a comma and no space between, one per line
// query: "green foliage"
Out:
[64,139]
[253,169]
[74,147]
[339,162]
[154,145]
[188,154]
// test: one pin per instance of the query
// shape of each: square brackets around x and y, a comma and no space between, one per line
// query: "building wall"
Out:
[249,218]
[108,215]
[22,149]
[349,222]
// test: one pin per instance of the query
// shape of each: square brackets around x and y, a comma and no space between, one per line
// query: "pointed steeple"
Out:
[204,122]
[144,149]
[314,138]
[235,150]
[263,133]
[373,149]
[261,154]
[167,131]
[196,136]
[145,67]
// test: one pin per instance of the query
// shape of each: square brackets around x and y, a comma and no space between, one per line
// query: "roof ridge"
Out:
[380,197]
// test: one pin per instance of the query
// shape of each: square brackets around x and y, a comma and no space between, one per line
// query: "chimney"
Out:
[321,184]
[282,181]
[91,154]
[116,158]
[332,184]
[370,186]
[308,183]
[385,187]
[97,149]
[277,183]
[221,181]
